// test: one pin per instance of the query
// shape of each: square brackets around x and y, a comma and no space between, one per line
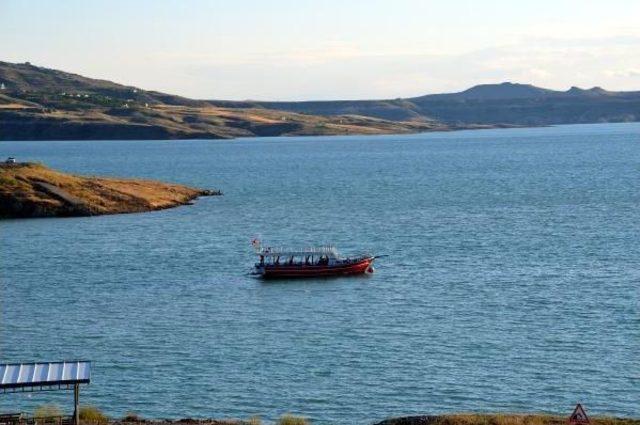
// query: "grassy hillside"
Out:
[38,103]
[50,85]
[44,104]
[33,190]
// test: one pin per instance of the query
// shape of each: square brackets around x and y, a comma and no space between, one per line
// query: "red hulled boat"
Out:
[310,262]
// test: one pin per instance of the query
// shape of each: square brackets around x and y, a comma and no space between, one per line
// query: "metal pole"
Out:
[76,397]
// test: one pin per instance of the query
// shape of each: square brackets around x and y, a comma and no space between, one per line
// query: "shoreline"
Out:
[243,138]
[502,419]
[214,138]
[30,190]
[93,416]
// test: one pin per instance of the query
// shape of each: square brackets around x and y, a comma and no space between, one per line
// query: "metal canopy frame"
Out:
[46,376]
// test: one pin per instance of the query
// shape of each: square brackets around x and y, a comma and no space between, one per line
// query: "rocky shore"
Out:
[186,421]
[33,190]
[501,419]
[453,419]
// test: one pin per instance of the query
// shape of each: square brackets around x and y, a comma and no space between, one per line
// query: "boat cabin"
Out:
[322,256]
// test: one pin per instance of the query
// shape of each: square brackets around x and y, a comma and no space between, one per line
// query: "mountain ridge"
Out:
[38,103]
[489,104]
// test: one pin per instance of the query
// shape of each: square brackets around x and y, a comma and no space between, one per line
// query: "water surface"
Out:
[511,282]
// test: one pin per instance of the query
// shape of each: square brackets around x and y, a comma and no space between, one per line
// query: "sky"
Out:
[331,49]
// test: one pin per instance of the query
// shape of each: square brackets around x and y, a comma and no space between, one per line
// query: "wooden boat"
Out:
[321,261]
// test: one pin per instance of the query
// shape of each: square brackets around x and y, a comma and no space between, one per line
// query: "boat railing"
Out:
[283,251]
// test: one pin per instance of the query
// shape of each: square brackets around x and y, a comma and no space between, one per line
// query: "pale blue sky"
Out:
[282,50]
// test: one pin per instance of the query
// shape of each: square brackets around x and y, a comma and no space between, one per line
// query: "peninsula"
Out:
[33,190]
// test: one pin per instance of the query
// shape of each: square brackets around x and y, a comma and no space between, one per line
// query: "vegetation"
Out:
[45,104]
[33,190]
[47,411]
[254,420]
[40,103]
[92,415]
[289,419]
[131,417]
[501,419]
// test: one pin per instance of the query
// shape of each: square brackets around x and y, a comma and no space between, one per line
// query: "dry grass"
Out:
[14,106]
[498,419]
[211,122]
[523,419]
[501,419]
[23,184]
[47,411]
[131,417]
[289,419]
[92,415]
[235,122]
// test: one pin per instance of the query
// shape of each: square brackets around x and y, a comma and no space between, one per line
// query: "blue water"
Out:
[511,282]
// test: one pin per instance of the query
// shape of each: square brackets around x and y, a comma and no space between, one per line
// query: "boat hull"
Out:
[360,266]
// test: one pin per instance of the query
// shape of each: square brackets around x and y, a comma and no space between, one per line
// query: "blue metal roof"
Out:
[44,374]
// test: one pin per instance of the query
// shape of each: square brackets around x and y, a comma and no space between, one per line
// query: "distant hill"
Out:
[38,103]
[25,78]
[524,104]
[495,92]
[487,104]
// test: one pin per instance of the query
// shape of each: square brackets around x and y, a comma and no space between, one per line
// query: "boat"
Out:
[323,261]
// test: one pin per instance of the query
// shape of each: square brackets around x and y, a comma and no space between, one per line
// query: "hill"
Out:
[50,85]
[522,104]
[500,91]
[488,104]
[38,103]
[33,190]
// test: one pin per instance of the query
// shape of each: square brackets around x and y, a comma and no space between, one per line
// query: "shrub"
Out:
[498,419]
[47,411]
[289,419]
[131,417]
[92,415]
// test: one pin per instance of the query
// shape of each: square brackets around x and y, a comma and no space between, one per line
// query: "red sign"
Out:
[579,416]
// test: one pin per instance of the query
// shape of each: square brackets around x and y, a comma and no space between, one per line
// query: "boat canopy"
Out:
[329,251]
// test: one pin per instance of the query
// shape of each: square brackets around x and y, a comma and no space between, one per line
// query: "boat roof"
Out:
[329,251]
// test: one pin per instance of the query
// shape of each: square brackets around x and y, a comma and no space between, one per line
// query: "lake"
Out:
[511,282]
